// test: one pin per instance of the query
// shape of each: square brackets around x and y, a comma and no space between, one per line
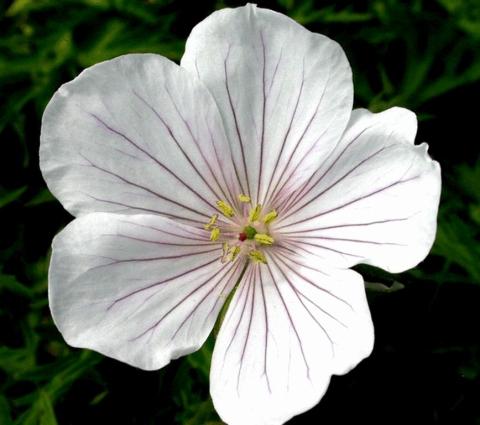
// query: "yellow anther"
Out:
[226,209]
[225,249]
[254,213]
[244,198]
[234,251]
[257,256]
[213,220]
[214,234]
[264,239]
[272,215]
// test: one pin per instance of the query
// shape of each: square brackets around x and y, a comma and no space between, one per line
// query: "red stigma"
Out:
[242,236]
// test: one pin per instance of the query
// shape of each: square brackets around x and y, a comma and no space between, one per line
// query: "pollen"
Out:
[234,251]
[214,234]
[211,223]
[268,218]
[257,256]
[225,209]
[225,250]
[263,239]
[247,236]
[254,213]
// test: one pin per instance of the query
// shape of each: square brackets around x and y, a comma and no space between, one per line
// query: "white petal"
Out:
[136,134]
[288,329]
[140,288]
[285,93]
[374,201]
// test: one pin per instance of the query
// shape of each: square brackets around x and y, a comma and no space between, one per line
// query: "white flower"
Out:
[243,166]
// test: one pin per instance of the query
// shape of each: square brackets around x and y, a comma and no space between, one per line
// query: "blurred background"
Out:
[425,368]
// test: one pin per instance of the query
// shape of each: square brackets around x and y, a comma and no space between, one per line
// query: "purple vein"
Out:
[139,186]
[175,235]
[328,238]
[247,286]
[227,283]
[292,323]
[298,293]
[197,144]
[232,270]
[320,288]
[159,283]
[127,206]
[351,202]
[274,76]
[315,229]
[157,323]
[264,106]
[133,238]
[300,245]
[300,193]
[149,259]
[174,139]
[287,132]
[252,308]
[299,142]
[265,354]
[237,128]
[320,194]
[160,164]
[233,198]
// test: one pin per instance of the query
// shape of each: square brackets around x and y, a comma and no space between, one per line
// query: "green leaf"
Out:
[7,197]
[456,242]
[40,413]
[42,197]
[11,284]
[5,417]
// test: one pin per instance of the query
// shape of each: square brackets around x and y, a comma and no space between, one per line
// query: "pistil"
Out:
[254,235]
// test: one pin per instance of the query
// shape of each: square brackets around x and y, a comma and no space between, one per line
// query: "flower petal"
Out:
[285,93]
[136,134]
[374,201]
[142,289]
[288,329]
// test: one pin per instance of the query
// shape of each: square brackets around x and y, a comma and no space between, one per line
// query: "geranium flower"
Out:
[244,169]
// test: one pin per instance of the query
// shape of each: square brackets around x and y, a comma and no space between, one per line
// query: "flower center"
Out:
[249,232]
[249,235]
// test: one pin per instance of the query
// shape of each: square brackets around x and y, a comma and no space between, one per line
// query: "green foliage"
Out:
[421,54]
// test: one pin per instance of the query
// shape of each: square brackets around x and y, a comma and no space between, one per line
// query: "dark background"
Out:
[425,368]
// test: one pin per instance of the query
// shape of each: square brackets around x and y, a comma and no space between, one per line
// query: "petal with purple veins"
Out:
[136,134]
[288,328]
[374,200]
[285,94]
[142,289]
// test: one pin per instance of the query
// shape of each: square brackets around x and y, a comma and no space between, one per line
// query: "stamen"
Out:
[255,213]
[225,249]
[234,251]
[213,220]
[244,198]
[214,234]
[272,215]
[257,256]
[264,239]
[226,209]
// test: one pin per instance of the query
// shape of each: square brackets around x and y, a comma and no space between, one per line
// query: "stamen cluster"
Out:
[247,236]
